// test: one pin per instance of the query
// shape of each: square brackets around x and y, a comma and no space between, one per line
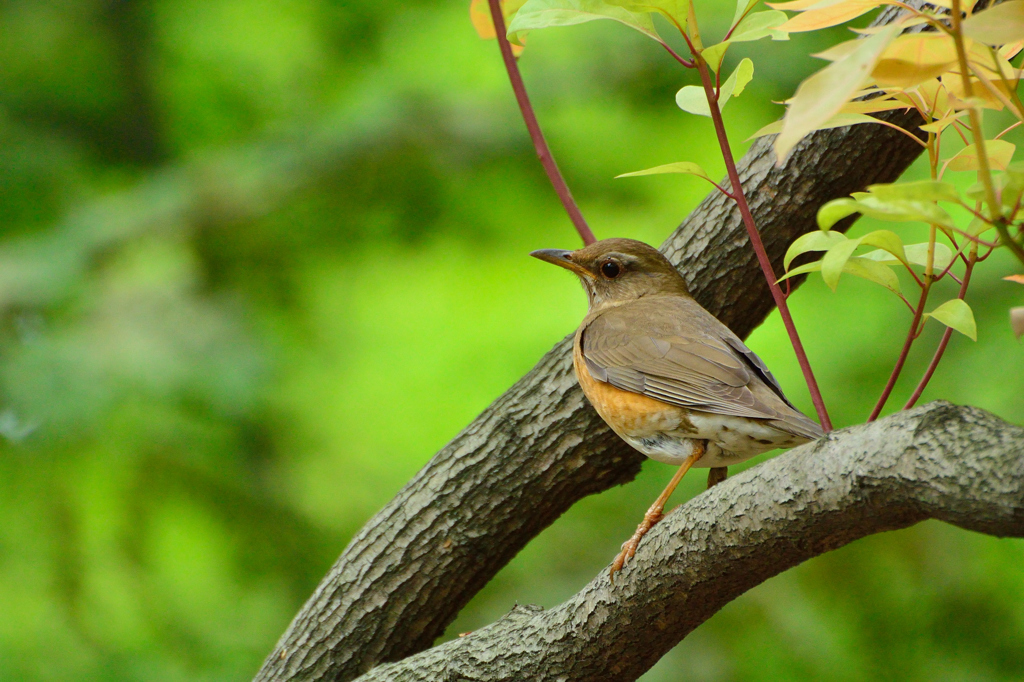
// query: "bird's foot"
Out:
[629,546]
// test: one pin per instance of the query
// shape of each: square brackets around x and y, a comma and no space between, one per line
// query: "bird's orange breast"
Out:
[628,414]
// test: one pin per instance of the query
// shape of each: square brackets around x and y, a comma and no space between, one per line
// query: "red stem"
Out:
[543,152]
[755,241]
[942,344]
[911,335]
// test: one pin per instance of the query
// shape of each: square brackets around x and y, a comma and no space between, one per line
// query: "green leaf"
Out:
[887,240]
[858,267]
[873,271]
[812,241]
[999,154]
[923,190]
[896,211]
[742,7]
[834,211]
[835,260]
[957,315]
[679,167]
[916,254]
[822,95]
[760,25]
[693,99]
[537,14]
[714,54]
[997,25]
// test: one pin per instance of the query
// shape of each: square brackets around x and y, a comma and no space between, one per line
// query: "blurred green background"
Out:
[242,240]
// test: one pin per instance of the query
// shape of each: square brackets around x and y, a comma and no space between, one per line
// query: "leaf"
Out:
[873,271]
[547,13]
[678,167]
[859,267]
[1019,279]
[873,106]
[898,211]
[915,58]
[829,14]
[714,54]
[943,123]
[758,25]
[742,7]
[887,240]
[822,95]
[997,25]
[956,314]
[812,241]
[694,100]
[837,121]
[834,261]
[999,154]
[1017,322]
[916,254]
[922,190]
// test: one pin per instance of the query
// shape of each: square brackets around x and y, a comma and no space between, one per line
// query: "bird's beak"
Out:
[562,258]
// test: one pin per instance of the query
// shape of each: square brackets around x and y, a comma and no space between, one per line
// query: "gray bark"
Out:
[540,447]
[957,464]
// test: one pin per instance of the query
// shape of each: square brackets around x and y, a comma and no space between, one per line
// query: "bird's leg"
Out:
[716,475]
[654,514]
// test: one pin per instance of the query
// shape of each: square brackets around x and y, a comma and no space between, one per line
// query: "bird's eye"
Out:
[610,269]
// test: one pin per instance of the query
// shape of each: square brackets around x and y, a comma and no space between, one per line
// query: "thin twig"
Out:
[755,238]
[546,159]
[943,342]
[685,62]
[911,335]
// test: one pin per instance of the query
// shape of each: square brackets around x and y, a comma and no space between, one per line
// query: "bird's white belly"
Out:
[730,440]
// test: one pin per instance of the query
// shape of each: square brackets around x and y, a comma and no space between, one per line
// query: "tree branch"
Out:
[540,447]
[957,464]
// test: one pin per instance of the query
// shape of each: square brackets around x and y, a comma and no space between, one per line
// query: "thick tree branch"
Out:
[540,447]
[957,464]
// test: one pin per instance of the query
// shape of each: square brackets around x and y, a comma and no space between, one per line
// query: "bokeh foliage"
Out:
[260,260]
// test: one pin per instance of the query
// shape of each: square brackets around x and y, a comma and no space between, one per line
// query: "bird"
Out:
[666,375]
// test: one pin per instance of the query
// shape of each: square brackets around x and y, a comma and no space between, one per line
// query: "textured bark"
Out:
[957,464]
[540,447]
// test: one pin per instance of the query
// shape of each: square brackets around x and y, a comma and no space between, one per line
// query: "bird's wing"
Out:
[675,351]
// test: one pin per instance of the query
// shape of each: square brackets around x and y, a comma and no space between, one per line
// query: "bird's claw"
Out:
[629,547]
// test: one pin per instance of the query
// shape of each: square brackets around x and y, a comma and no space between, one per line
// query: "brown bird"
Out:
[667,377]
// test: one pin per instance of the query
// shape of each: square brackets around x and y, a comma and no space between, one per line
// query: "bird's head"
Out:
[616,271]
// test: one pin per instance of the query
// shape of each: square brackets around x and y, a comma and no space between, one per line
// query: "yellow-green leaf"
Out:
[999,152]
[915,58]
[957,315]
[759,25]
[714,54]
[822,95]
[835,259]
[825,14]
[536,14]
[887,240]
[873,271]
[693,99]
[940,125]
[997,25]
[680,167]
[916,254]
[921,190]
[812,241]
